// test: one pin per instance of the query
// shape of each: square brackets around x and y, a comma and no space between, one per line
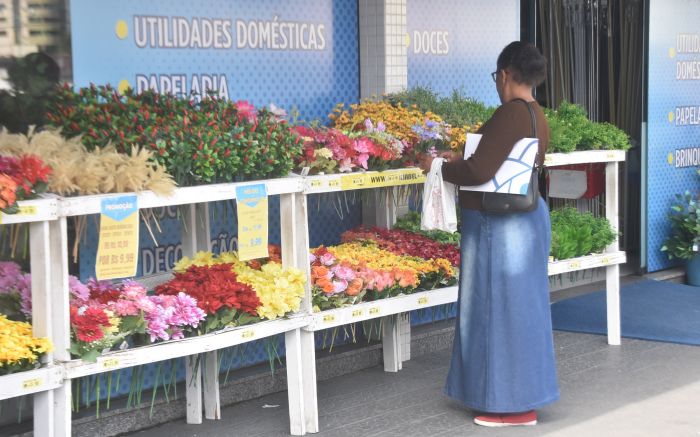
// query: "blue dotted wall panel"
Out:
[673,132]
[453,44]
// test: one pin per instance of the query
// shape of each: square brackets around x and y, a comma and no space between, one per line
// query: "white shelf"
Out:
[72,206]
[587,262]
[583,157]
[383,307]
[362,180]
[182,348]
[31,381]
[37,210]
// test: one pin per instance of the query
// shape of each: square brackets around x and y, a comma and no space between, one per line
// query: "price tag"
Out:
[316,183]
[329,318]
[548,159]
[357,313]
[27,210]
[334,183]
[575,265]
[353,181]
[118,247]
[423,300]
[110,363]
[248,333]
[605,260]
[305,171]
[611,155]
[374,311]
[252,221]
[32,383]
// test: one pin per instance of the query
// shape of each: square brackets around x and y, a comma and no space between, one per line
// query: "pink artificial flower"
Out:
[9,274]
[340,286]
[312,258]
[24,288]
[327,259]
[343,272]
[246,111]
[125,308]
[78,290]
[345,165]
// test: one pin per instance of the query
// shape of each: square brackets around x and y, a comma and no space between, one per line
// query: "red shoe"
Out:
[507,419]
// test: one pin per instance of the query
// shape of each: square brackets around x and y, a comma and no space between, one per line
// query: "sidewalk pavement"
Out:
[640,388]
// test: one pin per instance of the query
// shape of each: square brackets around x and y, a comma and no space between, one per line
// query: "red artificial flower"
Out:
[88,325]
[403,242]
[213,287]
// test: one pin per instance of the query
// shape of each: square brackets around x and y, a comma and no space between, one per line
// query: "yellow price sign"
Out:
[110,363]
[118,247]
[353,181]
[423,300]
[329,318]
[248,333]
[32,383]
[357,313]
[605,260]
[27,210]
[252,221]
[333,183]
[374,311]
[575,265]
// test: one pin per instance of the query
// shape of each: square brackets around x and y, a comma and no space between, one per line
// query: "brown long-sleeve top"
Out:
[509,123]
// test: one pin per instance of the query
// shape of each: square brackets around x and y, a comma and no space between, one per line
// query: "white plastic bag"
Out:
[439,210]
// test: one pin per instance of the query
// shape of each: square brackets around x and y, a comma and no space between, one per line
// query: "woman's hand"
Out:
[451,156]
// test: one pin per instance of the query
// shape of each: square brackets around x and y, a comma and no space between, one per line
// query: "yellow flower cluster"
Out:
[398,120]
[280,290]
[18,347]
[379,259]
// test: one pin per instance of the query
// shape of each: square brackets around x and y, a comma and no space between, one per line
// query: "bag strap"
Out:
[534,126]
[532,117]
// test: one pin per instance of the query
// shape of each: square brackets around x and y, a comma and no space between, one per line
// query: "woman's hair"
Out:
[525,62]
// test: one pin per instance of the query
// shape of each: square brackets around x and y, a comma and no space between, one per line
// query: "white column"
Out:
[612,280]
[196,236]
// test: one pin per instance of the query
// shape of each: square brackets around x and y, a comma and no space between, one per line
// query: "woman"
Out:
[503,360]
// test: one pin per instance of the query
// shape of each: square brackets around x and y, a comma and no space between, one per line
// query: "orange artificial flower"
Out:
[354,287]
[318,272]
[8,189]
[326,285]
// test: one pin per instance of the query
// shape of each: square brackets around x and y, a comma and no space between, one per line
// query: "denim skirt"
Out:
[503,357]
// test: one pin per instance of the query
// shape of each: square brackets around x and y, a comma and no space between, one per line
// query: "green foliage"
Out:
[411,222]
[33,79]
[576,234]
[570,129]
[685,227]
[206,141]
[456,110]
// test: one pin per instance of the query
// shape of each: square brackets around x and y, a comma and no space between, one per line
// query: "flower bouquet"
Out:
[379,273]
[19,349]
[278,290]
[21,177]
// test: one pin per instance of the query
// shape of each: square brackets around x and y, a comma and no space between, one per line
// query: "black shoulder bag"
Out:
[500,203]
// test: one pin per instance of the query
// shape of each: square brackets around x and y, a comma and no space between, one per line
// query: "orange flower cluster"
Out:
[8,190]
[399,120]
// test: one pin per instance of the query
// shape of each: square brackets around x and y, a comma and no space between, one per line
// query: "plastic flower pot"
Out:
[692,270]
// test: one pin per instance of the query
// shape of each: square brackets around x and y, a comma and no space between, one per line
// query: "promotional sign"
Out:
[454,44]
[252,221]
[298,55]
[117,250]
[673,113]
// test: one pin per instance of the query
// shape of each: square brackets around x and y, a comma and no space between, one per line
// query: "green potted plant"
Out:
[684,241]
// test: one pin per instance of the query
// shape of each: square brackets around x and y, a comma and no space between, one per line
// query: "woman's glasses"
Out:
[493,75]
